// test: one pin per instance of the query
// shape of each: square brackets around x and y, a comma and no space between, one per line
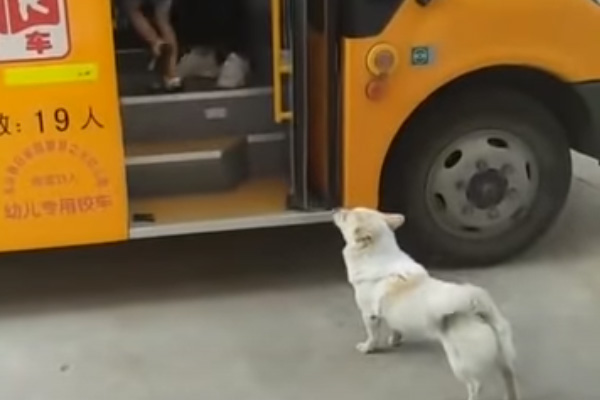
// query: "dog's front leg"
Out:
[372,326]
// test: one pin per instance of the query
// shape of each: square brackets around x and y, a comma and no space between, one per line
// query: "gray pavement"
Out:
[267,315]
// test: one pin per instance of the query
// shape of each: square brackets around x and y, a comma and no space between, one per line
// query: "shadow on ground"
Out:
[221,264]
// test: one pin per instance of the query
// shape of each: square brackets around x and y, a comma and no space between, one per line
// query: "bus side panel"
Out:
[461,36]
[61,154]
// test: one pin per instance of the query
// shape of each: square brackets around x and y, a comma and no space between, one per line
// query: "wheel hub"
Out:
[487,189]
[482,184]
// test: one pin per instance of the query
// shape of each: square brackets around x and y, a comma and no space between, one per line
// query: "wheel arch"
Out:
[555,94]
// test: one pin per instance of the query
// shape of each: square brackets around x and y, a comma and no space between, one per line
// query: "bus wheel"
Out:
[480,176]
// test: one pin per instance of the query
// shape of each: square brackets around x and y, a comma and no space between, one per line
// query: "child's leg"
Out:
[231,40]
[140,23]
[162,12]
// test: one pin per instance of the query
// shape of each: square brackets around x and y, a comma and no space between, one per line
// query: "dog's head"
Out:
[362,227]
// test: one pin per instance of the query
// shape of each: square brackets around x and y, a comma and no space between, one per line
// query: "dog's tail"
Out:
[484,306]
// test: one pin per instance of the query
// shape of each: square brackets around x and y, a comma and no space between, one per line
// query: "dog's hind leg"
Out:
[395,339]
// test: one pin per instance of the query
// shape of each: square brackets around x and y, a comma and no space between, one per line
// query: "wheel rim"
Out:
[482,184]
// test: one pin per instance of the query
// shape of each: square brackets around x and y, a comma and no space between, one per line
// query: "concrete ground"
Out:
[267,315]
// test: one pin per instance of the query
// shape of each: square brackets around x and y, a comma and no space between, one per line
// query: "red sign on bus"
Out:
[33,30]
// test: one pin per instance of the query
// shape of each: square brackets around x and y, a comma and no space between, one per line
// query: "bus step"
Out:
[268,154]
[197,115]
[169,168]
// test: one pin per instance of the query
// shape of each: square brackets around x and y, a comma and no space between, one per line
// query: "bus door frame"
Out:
[322,17]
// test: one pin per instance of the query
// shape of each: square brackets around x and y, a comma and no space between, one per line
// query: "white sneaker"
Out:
[200,62]
[234,72]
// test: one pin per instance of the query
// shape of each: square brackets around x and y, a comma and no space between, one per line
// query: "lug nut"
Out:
[460,185]
[493,213]
[507,169]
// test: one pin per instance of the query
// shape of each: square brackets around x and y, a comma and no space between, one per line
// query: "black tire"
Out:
[413,155]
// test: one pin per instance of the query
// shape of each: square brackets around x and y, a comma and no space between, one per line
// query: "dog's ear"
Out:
[394,221]
[363,236]
[339,216]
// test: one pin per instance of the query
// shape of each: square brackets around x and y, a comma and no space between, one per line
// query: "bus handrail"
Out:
[280,66]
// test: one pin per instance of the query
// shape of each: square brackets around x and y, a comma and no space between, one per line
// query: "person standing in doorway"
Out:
[215,34]
[162,40]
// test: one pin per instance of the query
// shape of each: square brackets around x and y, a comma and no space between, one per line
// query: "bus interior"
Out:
[206,158]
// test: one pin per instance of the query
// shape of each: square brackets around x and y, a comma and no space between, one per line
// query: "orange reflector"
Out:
[375,89]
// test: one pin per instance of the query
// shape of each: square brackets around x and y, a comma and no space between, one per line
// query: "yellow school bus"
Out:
[460,114]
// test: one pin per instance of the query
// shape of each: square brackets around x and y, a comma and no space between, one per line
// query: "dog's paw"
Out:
[366,347]
[395,339]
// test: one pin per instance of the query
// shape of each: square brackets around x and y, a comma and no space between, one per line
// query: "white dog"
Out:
[390,286]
